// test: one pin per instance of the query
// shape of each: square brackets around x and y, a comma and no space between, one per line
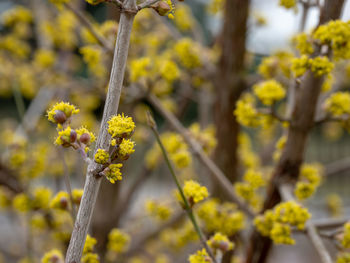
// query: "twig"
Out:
[93,182]
[329,222]
[286,194]
[197,150]
[187,207]
[67,183]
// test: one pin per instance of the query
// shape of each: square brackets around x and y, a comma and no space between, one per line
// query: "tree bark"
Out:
[302,121]
[230,84]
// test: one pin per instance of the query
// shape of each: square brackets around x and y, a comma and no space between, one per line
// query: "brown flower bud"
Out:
[73,136]
[64,203]
[60,117]
[85,138]
[162,8]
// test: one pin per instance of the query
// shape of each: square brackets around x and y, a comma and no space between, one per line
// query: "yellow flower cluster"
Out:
[77,195]
[336,34]
[275,65]
[309,180]
[101,156]
[246,113]
[220,242]
[288,3]
[21,203]
[201,256]
[18,14]
[175,147]
[188,53]
[44,58]
[194,192]
[139,68]
[53,256]
[247,190]
[61,111]
[90,258]
[41,198]
[126,148]
[206,137]
[118,241]
[183,19]
[334,205]
[215,6]
[169,70]
[303,43]
[346,236]
[300,65]
[338,104]
[90,242]
[321,66]
[113,172]
[277,223]
[343,258]
[158,211]
[66,137]
[221,217]
[269,91]
[84,136]
[121,126]
[93,57]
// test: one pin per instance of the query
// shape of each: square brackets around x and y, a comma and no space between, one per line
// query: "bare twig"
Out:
[92,183]
[286,194]
[197,150]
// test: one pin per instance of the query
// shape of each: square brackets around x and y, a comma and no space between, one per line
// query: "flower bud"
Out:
[162,8]
[64,203]
[85,138]
[60,117]
[73,136]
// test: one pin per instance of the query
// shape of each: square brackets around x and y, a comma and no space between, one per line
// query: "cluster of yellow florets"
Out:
[220,242]
[335,34]
[60,201]
[188,53]
[343,258]
[118,241]
[201,256]
[346,236]
[246,113]
[53,256]
[247,190]
[320,66]
[61,111]
[277,223]
[303,43]
[113,172]
[288,3]
[169,71]
[88,255]
[139,68]
[276,64]
[338,103]
[44,58]
[335,205]
[175,147]
[194,192]
[158,211]
[120,126]
[179,236]
[18,14]
[221,217]
[101,156]
[309,180]
[269,91]
[126,148]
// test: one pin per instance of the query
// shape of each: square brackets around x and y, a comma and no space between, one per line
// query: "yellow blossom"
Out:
[300,65]
[139,68]
[338,103]
[54,114]
[188,53]
[158,211]
[303,43]
[90,242]
[44,58]
[113,172]
[101,156]
[169,71]
[220,242]
[60,201]
[126,148]
[321,66]
[120,126]
[201,256]
[53,256]
[269,91]
[118,241]
[194,192]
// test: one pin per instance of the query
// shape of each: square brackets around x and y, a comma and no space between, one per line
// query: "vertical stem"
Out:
[188,208]
[92,183]
[19,101]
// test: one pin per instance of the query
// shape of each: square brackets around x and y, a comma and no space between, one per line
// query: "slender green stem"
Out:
[19,101]
[188,208]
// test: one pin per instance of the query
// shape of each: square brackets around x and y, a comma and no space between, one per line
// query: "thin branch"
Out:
[187,207]
[329,222]
[198,151]
[93,182]
[286,194]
